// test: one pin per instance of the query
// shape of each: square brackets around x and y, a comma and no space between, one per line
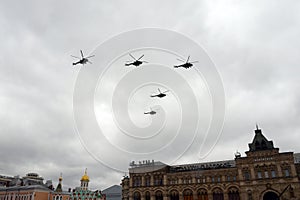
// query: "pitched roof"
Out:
[260,142]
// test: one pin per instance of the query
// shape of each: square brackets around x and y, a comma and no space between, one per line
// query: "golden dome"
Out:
[85,177]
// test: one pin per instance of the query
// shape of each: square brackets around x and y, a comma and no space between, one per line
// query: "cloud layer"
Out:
[255,46]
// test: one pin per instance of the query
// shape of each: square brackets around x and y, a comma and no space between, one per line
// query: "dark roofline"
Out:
[27,187]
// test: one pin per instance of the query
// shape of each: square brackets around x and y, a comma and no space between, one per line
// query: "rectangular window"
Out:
[259,175]
[219,179]
[266,174]
[228,178]
[273,173]
[247,176]
[234,178]
[286,173]
[213,179]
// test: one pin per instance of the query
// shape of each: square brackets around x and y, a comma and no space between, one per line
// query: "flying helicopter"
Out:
[83,60]
[160,94]
[186,65]
[151,112]
[135,62]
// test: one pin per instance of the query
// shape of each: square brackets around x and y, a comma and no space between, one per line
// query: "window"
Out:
[137,181]
[259,175]
[202,195]
[158,195]
[228,178]
[273,173]
[212,179]
[266,174]
[147,196]
[174,195]
[233,194]
[286,173]
[247,176]
[188,195]
[147,180]
[219,179]
[234,178]
[136,196]
[218,194]
[158,180]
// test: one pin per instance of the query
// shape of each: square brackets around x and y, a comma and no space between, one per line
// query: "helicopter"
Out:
[83,60]
[186,65]
[151,112]
[161,94]
[136,62]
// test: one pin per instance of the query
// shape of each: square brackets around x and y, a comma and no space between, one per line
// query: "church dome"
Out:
[85,177]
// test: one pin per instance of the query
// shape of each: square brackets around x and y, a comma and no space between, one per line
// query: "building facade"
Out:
[31,187]
[83,192]
[263,174]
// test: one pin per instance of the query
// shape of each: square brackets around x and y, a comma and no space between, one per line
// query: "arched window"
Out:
[174,195]
[136,196]
[188,194]
[218,194]
[233,194]
[270,196]
[202,194]
[147,196]
[158,195]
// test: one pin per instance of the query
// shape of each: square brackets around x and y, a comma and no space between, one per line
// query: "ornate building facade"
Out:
[263,174]
[83,192]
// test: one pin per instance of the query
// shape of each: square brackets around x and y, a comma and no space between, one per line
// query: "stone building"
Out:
[263,174]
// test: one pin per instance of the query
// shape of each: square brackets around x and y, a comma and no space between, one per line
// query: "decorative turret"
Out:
[260,142]
[59,186]
[85,181]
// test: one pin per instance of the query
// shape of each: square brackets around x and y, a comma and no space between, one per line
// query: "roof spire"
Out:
[256,126]
[60,178]
[59,185]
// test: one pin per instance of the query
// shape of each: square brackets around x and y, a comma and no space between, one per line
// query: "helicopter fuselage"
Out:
[151,112]
[185,65]
[82,61]
[135,63]
[161,95]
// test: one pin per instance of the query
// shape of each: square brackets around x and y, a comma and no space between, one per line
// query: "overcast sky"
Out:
[255,47]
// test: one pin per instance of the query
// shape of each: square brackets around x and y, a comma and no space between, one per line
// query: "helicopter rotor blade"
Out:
[81,54]
[194,62]
[132,57]
[159,90]
[187,59]
[90,62]
[144,61]
[75,57]
[140,57]
[180,59]
[166,91]
[90,56]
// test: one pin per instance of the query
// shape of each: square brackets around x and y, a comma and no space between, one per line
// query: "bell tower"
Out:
[84,181]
